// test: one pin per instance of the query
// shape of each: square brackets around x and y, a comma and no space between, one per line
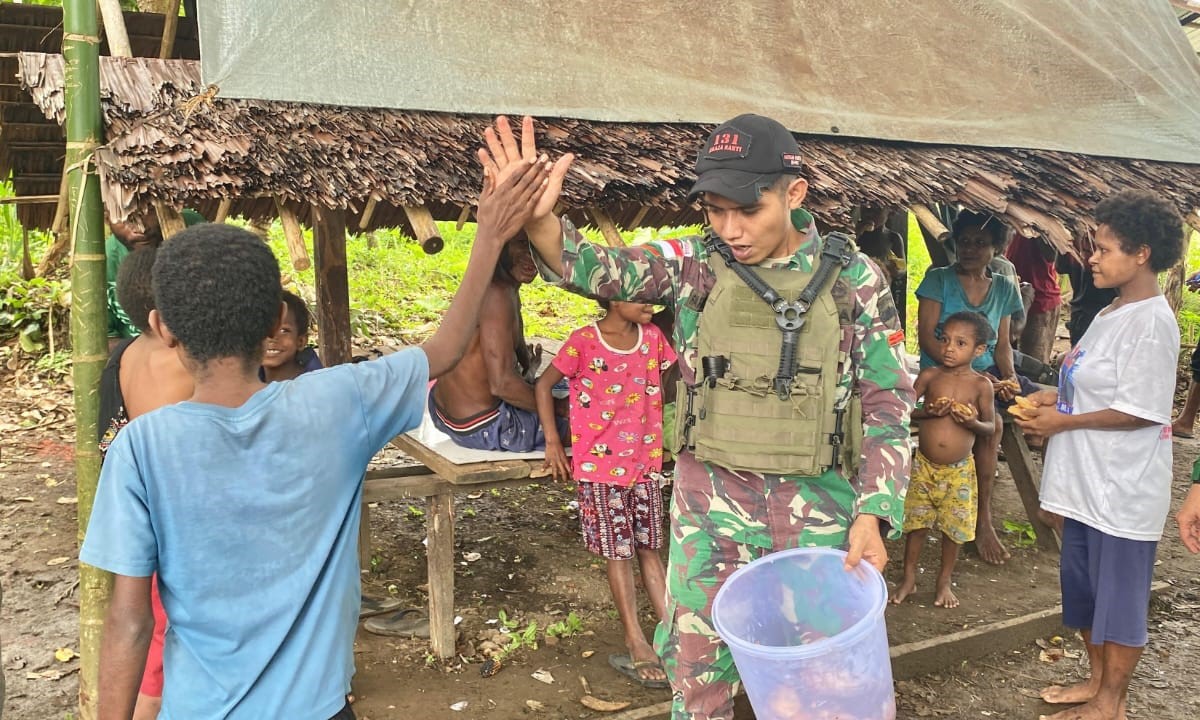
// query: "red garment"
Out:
[1036,270]
[152,678]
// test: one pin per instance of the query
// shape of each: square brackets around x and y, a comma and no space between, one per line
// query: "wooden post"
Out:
[170,26]
[114,28]
[439,527]
[57,226]
[608,228]
[293,236]
[170,222]
[223,210]
[425,230]
[639,217]
[463,216]
[1173,284]
[333,287]
[1020,464]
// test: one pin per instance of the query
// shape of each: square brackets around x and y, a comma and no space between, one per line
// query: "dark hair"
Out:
[1139,217]
[299,312]
[985,221]
[984,333]
[135,288]
[604,303]
[217,289]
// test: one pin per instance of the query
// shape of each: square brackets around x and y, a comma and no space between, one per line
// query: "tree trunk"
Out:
[81,45]
[1173,285]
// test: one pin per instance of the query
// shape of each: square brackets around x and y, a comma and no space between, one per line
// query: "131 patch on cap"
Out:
[792,161]
[728,142]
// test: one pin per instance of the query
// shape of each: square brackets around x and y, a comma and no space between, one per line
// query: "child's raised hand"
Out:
[556,461]
[504,154]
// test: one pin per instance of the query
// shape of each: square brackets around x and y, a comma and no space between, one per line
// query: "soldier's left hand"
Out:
[866,543]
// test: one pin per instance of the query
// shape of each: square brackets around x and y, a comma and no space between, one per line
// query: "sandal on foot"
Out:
[410,623]
[371,607]
[625,665]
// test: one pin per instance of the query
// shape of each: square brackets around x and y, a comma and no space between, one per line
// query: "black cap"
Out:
[744,156]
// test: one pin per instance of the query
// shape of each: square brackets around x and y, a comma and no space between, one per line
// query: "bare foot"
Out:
[908,587]
[945,597]
[1181,430]
[1071,694]
[1094,710]
[989,546]
[646,661]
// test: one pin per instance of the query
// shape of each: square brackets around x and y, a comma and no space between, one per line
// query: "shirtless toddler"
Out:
[942,493]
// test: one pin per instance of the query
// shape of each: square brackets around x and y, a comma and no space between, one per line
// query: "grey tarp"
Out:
[1101,77]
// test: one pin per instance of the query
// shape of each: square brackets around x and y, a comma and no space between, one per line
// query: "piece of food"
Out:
[594,703]
[962,408]
[1025,402]
[938,404]
[1019,412]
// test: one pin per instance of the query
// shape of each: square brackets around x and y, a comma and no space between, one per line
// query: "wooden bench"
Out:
[436,479]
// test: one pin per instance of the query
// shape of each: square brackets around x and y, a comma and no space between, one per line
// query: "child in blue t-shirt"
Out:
[232,496]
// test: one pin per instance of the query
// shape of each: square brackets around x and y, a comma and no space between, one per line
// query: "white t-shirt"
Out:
[1117,481]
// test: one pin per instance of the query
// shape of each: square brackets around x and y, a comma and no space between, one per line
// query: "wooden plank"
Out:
[469,474]
[946,651]
[223,210]
[404,488]
[930,222]
[608,228]
[333,287]
[425,230]
[439,553]
[170,26]
[170,221]
[1025,477]
[293,236]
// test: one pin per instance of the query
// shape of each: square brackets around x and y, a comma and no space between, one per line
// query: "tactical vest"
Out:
[738,421]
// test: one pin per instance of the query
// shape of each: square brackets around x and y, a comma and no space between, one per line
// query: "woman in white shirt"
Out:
[1108,460]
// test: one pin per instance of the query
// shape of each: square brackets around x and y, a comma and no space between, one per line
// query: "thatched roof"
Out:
[32,147]
[169,141]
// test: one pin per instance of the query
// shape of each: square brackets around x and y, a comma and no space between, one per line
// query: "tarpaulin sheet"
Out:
[1101,77]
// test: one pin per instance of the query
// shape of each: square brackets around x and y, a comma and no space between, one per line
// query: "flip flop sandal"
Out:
[627,667]
[409,623]
[371,607]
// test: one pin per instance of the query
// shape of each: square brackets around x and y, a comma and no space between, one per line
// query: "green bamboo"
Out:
[81,49]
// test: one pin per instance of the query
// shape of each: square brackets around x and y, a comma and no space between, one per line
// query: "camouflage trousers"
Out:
[720,521]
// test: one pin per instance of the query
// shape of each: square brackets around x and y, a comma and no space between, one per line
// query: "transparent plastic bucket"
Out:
[808,636]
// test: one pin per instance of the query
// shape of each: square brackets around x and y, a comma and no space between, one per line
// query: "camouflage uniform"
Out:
[721,519]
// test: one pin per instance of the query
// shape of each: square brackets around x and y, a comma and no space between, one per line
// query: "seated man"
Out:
[486,402]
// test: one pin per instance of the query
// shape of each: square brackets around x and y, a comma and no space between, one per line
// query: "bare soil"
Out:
[532,567]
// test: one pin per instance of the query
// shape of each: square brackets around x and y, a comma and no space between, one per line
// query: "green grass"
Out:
[918,262]
[396,290]
[1189,311]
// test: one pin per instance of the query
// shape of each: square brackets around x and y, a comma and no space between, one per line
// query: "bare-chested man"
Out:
[486,402]
[944,487]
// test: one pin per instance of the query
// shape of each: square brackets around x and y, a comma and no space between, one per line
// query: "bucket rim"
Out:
[850,634]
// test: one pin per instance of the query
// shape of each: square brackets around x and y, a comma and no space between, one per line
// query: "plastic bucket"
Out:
[808,636]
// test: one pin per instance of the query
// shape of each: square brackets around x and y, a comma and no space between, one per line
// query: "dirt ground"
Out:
[532,567]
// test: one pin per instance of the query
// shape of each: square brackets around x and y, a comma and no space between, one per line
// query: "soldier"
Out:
[816,455]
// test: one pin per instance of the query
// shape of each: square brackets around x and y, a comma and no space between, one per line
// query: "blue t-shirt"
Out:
[250,516]
[1002,300]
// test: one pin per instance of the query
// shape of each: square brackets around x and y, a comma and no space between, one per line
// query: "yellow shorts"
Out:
[943,497]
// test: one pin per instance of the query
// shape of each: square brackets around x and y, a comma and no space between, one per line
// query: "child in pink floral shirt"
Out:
[614,368]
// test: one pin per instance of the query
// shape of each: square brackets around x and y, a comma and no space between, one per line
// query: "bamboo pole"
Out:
[424,228]
[89,322]
[293,236]
[368,212]
[170,26]
[114,28]
[463,216]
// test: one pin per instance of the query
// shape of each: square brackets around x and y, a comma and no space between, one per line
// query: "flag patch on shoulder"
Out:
[670,248]
[896,338]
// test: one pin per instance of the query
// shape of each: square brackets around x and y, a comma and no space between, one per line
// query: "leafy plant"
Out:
[568,626]
[1026,537]
[415,512]
[510,624]
[34,311]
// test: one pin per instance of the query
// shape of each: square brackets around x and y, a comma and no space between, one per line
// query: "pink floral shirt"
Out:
[616,404]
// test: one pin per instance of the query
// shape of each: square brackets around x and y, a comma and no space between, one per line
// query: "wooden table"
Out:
[436,479]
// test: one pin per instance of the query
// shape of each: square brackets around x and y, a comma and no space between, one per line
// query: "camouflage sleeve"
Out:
[644,273]
[887,400]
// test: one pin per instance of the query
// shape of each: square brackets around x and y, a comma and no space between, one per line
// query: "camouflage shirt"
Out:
[676,273]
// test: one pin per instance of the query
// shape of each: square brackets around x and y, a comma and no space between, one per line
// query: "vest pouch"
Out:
[676,443]
[743,425]
[852,442]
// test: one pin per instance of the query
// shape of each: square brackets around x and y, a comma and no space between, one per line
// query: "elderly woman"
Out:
[1108,459]
[969,285]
